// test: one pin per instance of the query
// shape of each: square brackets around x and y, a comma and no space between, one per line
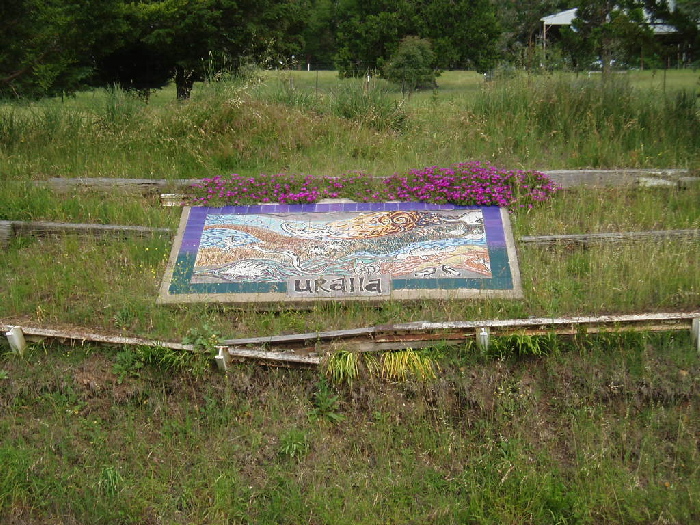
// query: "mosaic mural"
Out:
[374,251]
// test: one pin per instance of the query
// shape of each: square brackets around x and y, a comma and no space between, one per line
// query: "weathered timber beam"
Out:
[144,186]
[9,229]
[423,334]
[302,338]
[92,337]
[79,337]
[563,178]
[618,178]
[670,319]
[600,238]
[279,357]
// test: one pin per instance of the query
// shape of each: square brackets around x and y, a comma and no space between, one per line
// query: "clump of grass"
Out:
[369,105]
[294,444]
[326,405]
[342,367]
[407,364]
[132,361]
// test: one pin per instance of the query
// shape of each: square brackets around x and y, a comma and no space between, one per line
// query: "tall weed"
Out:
[121,108]
[368,105]
[604,121]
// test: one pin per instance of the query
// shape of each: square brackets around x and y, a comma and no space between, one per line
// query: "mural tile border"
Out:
[178,286]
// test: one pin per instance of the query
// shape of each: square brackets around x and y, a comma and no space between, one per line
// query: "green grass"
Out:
[603,431]
[590,430]
[286,123]
[111,284]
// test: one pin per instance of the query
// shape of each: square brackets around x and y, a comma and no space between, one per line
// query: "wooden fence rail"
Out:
[563,178]
[9,229]
[425,334]
[587,239]
[307,349]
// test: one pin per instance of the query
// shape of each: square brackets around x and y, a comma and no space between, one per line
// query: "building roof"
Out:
[565,18]
[560,19]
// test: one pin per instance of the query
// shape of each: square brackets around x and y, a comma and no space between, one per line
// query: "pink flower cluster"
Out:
[469,183]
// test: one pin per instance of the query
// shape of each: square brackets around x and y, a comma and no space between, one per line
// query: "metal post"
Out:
[222,359]
[16,339]
[483,339]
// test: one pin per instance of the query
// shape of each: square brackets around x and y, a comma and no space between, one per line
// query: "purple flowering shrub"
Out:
[469,183]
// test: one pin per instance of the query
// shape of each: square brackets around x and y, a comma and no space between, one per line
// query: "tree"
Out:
[520,21]
[52,46]
[691,8]
[368,32]
[686,20]
[319,32]
[412,65]
[48,46]
[463,33]
[189,35]
[622,29]
[186,39]
[605,24]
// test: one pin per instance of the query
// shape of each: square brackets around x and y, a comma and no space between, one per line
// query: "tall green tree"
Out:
[412,66]
[463,33]
[369,31]
[319,33]
[49,46]
[186,39]
[607,25]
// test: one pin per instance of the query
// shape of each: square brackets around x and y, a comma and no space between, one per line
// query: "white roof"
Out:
[560,19]
[564,18]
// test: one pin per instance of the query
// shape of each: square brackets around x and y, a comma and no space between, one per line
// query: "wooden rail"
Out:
[143,186]
[564,178]
[306,349]
[587,239]
[622,177]
[34,333]
[426,334]
[9,229]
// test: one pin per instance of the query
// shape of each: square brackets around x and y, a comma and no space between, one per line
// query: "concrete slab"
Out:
[293,254]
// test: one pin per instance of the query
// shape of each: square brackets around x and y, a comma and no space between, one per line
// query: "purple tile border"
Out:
[499,238]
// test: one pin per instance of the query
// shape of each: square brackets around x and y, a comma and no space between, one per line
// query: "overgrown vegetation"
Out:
[312,123]
[590,429]
[605,430]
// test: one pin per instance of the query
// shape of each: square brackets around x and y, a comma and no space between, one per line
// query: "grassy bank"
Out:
[301,123]
[312,123]
[601,429]
[112,284]
[604,430]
